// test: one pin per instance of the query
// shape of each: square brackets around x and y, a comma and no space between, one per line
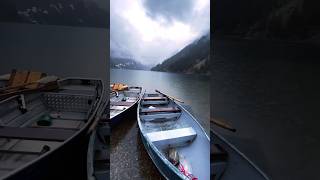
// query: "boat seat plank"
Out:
[172,138]
[145,103]
[155,117]
[33,77]
[118,108]
[19,152]
[165,109]
[121,103]
[17,78]
[80,87]
[153,95]
[154,98]
[45,134]
[131,99]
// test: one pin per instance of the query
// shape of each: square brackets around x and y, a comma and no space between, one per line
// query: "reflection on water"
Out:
[128,158]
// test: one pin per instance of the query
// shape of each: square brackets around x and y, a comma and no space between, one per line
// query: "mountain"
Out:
[194,58]
[83,13]
[268,19]
[126,63]
[121,58]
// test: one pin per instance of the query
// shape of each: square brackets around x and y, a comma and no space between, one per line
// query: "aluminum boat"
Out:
[44,134]
[173,138]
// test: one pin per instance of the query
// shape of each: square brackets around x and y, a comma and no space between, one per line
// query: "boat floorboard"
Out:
[62,124]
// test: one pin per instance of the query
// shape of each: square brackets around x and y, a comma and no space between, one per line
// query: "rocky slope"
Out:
[194,58]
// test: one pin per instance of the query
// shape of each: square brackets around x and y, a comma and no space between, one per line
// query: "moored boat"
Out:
[174,140]
[123,102]
[228,163]
[44,134]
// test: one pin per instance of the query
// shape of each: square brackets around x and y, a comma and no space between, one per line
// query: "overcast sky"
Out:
[152,30]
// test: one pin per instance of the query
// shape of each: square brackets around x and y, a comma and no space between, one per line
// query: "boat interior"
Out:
[122,100]
[33,124]
[98,154]
[170,128]
[219,158]
[229,163]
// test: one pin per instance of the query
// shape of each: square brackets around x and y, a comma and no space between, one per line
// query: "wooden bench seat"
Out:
[157,110]
[45,134]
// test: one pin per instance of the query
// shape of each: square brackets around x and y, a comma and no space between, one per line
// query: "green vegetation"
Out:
[194,58]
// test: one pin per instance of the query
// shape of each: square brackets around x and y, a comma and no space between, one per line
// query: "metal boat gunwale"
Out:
[234,148]
[8,99]
[159,169]
[129,107]
[194,120]
[156,150]
[86,126]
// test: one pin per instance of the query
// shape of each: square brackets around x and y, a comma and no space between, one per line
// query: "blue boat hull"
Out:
[157,122]
[162,167]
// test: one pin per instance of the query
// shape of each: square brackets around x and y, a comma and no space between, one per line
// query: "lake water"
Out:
[128,158]
[62,51]
[194,90]
[269,91]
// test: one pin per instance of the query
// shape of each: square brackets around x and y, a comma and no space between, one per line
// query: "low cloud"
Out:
[151,30]
[169,10]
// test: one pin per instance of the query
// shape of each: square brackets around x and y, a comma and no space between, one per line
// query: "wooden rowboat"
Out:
[174,140]
[44,134]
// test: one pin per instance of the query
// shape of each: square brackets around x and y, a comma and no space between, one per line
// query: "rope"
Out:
[184,171]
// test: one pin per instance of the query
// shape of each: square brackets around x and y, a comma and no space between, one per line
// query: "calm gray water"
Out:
[58,50]
[128,158]
[269,91]
[194,90]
